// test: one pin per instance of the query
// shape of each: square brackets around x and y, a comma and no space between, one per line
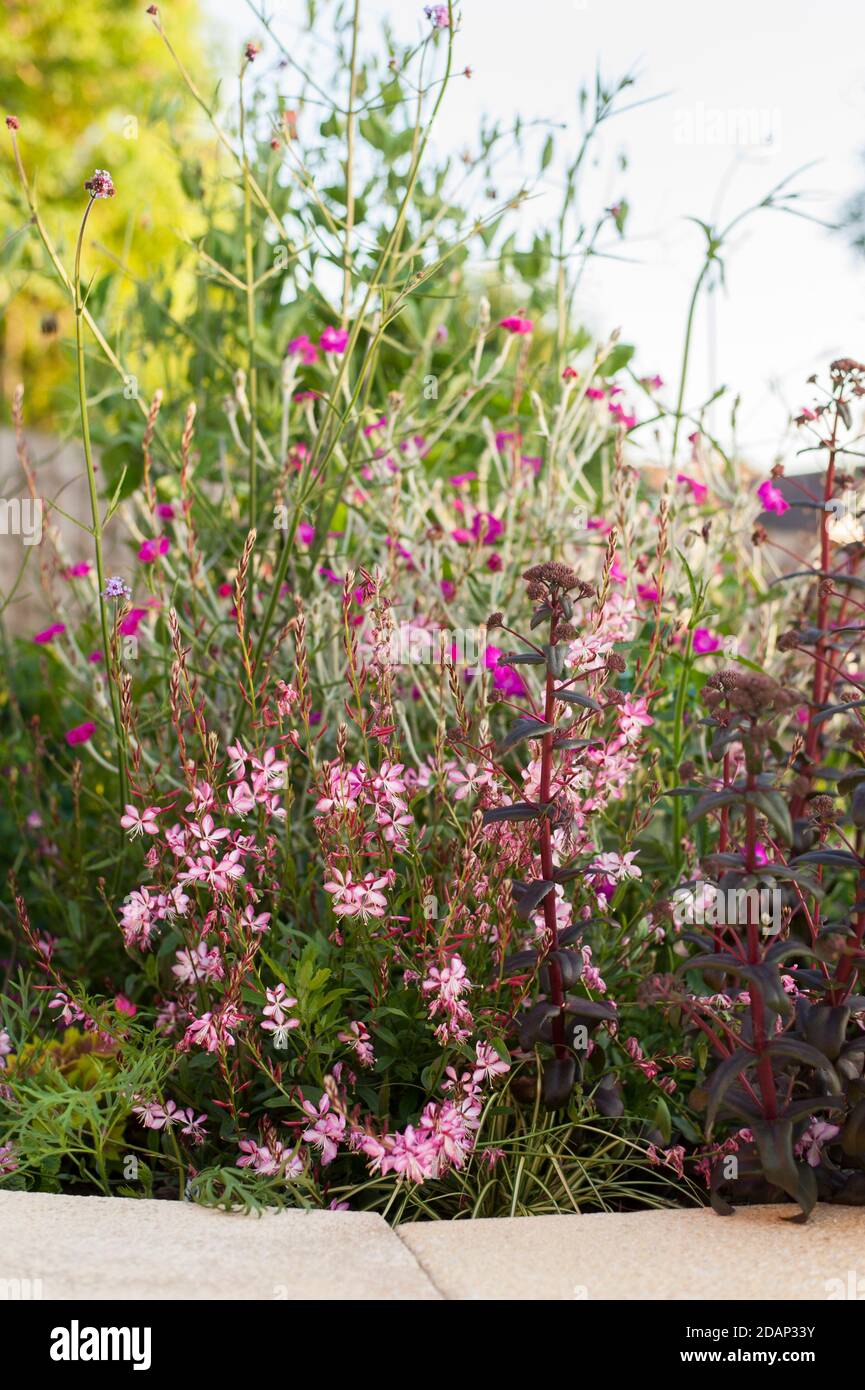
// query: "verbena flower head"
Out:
[115,587]
[100,184]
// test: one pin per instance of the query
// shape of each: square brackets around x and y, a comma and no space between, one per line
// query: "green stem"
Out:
[252,370]
[96,526]
[686,352]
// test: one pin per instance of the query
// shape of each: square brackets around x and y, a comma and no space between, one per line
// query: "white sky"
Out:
[796,293]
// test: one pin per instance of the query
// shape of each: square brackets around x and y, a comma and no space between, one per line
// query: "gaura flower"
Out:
[140,822]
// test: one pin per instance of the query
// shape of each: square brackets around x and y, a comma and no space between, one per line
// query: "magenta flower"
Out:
[772,498]
[82,733]
[100,184]
[302,347]
[333,340]
[505,678]
[705,641]
[517,324]
[306,533]
[618,413]
[77,571]
[49,633]
[129,624]
[699,491]
[165,511]
[151,549]
[487,528]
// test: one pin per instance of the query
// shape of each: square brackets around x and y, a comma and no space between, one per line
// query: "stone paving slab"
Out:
[679,1254]
[116,1247]
[119,1248]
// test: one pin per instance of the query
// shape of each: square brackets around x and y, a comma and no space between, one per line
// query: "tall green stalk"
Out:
[96,519]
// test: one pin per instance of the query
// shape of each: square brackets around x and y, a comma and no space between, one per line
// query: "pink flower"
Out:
[140,822]
[327,1131]
[197,964]
[151,549]
[276,1018]
[358,1038]
[470,781]
[351,899]
[633,716]
[82,733]
[699,491]
[772,498]
[705,641]
[505,678]
[78,571]
[130,624]
[617,867]
[303,348]
[49,633]
[100,184]
[818,1133]
[488,1063]
[334,340]
[517,324]
[125,1006]
[486,527]
[306,533]
[438,16]
[165,511]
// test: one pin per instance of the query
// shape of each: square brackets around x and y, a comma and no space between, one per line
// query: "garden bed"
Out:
[425,798]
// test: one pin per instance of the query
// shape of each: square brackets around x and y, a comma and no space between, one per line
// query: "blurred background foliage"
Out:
[93,85]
